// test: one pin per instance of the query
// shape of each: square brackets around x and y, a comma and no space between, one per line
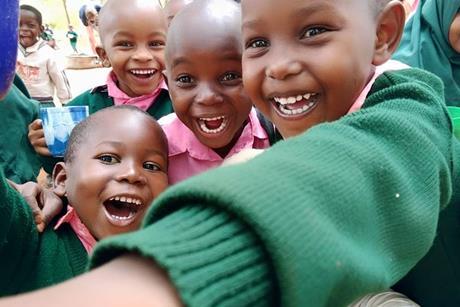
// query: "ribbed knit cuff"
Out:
[212,259]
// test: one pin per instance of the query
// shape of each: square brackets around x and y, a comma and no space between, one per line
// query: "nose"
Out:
[131,172]
[142,54]
[208,95]
[283,68]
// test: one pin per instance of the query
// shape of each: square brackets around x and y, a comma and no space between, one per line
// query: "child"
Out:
[36,63]
[73,37]
[115,165]
[431,41]
[213,118]
[133,37]
[320,219]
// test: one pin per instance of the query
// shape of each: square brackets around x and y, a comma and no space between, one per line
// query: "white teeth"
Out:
[212,118]
[203,126]
[143,72]
[303,109]
[128,200]
[293,99]
[123,218]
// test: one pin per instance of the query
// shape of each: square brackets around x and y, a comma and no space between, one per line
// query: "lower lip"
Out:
[314,103]
[121,222]
[210,134]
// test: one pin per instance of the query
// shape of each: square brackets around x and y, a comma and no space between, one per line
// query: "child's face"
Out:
[133,43]
[205,83]
[116,173]
[311,64]
[454,33]
[29,29]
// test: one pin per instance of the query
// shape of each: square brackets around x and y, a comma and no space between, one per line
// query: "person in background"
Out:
[73,38]
[431,41]
[89,16]
[37,63]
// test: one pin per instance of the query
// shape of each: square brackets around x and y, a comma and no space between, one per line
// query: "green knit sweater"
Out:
[28,260]
[18,159]
[317,220]
[97,99]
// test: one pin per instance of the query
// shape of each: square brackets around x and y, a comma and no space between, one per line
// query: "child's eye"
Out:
[152,166]
[124,44]
[231,79]
[257,43]
[184,79]
[311,32]
[157,44]
[108,159]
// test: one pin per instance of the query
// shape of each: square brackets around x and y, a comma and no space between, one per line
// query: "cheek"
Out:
[454,34]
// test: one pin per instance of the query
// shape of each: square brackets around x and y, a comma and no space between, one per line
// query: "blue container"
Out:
[58,123]
[9,15]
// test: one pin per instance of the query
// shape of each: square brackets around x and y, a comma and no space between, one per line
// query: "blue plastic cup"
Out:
[58,123]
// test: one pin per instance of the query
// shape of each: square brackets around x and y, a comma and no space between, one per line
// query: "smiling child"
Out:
[36,64]
[133,37]
[214,118]
[115,166]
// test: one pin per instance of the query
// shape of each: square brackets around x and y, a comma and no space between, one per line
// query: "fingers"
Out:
[37,138]
[31,191]
[52,206]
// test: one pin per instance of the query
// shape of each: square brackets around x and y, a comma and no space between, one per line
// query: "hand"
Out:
[37,138]
[44,203]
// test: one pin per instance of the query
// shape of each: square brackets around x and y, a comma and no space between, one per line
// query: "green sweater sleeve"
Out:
[18,238]
[345,209]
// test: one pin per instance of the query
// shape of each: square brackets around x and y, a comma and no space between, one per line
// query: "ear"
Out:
[390,26]
[59,179]
[103,56]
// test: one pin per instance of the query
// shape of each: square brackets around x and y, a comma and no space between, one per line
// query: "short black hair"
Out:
[34,11]
[81,131]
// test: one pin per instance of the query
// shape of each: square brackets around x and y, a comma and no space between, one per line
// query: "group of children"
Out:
[321,218]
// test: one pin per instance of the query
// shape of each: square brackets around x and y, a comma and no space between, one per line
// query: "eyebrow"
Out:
[226,56]
[121,145]
[126,33]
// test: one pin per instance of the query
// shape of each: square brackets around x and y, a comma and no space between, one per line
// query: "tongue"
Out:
[213,124]
[142,76]
[117,208]
[296,105]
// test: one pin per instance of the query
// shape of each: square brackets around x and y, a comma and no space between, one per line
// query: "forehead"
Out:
[26,14]
[347,9]
[134,20]
[196,35]
[127,127]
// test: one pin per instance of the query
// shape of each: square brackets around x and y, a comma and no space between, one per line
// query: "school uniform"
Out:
[188,156]
[344,209]
[18,159]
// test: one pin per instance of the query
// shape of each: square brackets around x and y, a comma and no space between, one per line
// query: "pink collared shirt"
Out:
[188,157]
[389,65]
[143,102]
[83,234]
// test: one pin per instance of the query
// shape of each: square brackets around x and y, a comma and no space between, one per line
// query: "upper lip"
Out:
[128,197]
[294,93]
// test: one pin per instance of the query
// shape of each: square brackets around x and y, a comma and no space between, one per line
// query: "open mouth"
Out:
[122,210]
[143,73]
[212,125]
[295,106]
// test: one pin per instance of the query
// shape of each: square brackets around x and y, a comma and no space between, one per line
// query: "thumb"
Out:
[52,206]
